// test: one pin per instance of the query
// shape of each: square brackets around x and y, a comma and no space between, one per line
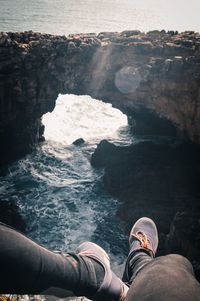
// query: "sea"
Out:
[60,196]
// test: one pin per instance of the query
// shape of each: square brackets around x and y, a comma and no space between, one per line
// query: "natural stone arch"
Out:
[135,72]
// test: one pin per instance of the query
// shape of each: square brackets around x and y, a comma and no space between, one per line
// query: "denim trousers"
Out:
[28,268]
[165,278]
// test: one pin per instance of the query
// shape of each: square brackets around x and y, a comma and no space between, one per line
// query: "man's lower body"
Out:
[28,268]
[169,277]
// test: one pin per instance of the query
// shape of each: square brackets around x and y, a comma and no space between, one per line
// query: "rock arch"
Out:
[156,73]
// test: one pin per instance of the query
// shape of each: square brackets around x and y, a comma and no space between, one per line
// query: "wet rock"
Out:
[79,141]
[9,214]
[103,153]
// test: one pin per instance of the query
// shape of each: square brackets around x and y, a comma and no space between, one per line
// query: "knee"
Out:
[181,261]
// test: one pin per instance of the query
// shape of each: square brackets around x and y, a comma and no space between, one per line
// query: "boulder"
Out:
[79,141]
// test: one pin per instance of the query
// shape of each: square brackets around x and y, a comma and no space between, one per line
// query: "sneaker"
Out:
[143,238]
[144,235]
[112,288]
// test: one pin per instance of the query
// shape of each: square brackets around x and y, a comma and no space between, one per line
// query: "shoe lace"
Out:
[143,239]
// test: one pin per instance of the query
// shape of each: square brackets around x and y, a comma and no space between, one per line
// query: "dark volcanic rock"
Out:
[146,122]
[79,141]
[153,77]
[126,166]
[184,237]
[104,152]
[9,214]
[154,180]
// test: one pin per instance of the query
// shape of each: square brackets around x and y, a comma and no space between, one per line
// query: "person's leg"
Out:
[28,268]
[163,278]
[134,264]
[143,241]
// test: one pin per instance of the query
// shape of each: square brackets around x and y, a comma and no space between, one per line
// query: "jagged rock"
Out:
[35,68]
[79,141]
[104,152]
[151,179]
[184,236]
[9,214]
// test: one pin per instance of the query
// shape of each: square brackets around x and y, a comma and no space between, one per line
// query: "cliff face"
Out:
[161,181]
[154,78]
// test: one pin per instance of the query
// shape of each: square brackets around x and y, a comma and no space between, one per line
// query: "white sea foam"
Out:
[60,196]
[81,116]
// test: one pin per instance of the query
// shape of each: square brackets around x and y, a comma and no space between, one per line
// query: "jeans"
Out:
[165,278]
[28,268]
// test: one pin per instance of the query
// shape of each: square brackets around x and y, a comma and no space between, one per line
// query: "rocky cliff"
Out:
[154,78]
[159,180]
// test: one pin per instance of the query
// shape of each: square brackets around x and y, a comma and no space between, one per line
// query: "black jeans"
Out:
[28,268]
[165,278]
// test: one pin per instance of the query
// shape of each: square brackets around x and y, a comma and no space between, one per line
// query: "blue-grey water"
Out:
[60,196]
[75,16]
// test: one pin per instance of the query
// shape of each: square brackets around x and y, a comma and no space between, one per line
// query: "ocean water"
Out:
[60,196]
[75,16]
